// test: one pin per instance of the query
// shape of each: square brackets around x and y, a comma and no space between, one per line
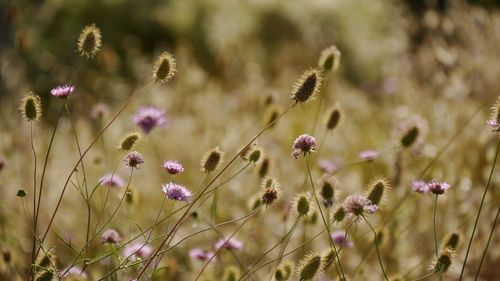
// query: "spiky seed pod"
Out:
[309,266]
[7,256]
[302,205]
[255,155]
[307,86]
[284,271]
[271,114]
[451,241]
[270,195]
[409,137]
[164,67]
[212,160]
[328,258]
[333,117]
[413,132]
[329,59]
[378,190]
[31,107]
[21,192]
[327,190]
[264,167]
[245,151]
[45,275]
[231,274]
[129,141]
[90,41]
[339,214]
[443,262]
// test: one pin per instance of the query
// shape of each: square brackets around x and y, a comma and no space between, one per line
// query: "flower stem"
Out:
[377,247]
[435,231]
[487,244]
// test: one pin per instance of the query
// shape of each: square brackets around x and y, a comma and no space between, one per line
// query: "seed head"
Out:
[45,261]
[271,114]
[90,41]
[164,67]
[31,107]
[329,59]
[339,214]
[284,271]
[443,262]
[129,141]
[111,236]
[333,117]
[45,275]
[309,266]
[133,159]
[307,86]
[21,193]
[378,191]
[212,160]
[451,241]
[302,205]
[63,91]
[327,186]
[413,132]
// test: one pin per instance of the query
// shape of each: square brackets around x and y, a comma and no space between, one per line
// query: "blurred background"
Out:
[435,59]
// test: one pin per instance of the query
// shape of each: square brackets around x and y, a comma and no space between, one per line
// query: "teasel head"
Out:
[307,86]
[31,107]
[339,214]
[164,67]
[129,141]
[252,153]
[413,133]
[90,41]
[231,273]
[442,263]
[270,115]
[309,267]
[212,160]
[333,117]
[378,190]
[284,271]
[302,205]
[451,241]
[270,191]
[327,186]
[264,167]
[329,59]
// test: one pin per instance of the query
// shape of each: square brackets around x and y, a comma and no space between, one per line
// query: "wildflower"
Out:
[129,141]
[63,91]
[327,166]
[332,117]
[173,167]
[420,186]
[31,107]
[305,144]
[137,251]
[378,190]
[229,243]
[339,238]
[164,67]
[307,86]
[99,110]
[494,121]
[357,204]
[368,155]
[133,159]
[212,160]
[89,42]
[201,255]
[112,180]
[110,236]
[309,266]
[148,118]
[329,59]
[437,187]
[177,192]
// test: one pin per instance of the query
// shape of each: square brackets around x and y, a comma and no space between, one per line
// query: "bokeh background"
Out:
[236,59]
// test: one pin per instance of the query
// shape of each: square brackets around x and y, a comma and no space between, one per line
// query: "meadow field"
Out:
[249,140]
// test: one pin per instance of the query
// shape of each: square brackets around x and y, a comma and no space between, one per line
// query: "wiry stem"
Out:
[435,231]
[487,244]
[377,247]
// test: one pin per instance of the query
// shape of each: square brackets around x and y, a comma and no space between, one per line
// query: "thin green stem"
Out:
[435,231]
[377,247]
[487,244]
[34,194]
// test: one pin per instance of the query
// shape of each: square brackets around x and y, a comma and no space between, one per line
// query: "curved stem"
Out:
[377,247]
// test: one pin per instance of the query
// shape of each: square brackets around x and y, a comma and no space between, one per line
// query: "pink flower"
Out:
[148,118]
[229,243]
[137,251]
[339,238]
[437,187]
[303,143]
[177,192]
[173,167]
[420,186]
[63,91]
[368,155]
[494,124]
[112,180]
[201,255]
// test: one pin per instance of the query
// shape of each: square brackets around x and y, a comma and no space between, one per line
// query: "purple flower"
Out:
[110,236]
[133,159]
[420,186]
[494,124]
[99,111]
[112,180]
[63,91]
[229,243]
[173,167]
[148,118]
[137,251]
[368,154]
[201,255]
[327,166]
[177,192]
[74,271]
[303,143]
[357,204]
[339,238]
[437,187]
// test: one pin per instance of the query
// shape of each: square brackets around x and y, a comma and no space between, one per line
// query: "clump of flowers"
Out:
[229,243]
[148,118]
[305,144]
[173,167]
[63,91]
[177,192]
[133,159]
[112,180]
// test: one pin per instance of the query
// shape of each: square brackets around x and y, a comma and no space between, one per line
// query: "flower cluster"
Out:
[148,118]
[305,144]
[433,186]
[177,192]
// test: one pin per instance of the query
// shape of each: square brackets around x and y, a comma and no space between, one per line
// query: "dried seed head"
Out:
[129,141]
[21,193]
[284,271]
[212,160]
[332,117]
[451,241]
[443,262]
[231,273]
[339,214]
[413,132]
[327,187]
[264,167]
[90,41]
[302,205]
[31,107]
[245,151]
[378,190]
[270,195]
[307,86]
[328,258]
[309,266]
[329,59]
[164,67]
[270,115]
[133,159]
